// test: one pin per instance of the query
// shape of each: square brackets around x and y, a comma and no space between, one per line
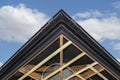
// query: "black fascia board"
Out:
[61,18]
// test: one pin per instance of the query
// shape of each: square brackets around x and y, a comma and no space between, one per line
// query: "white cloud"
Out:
[116,5]
[19,23]
[102,28]
[88,14]
[1,64]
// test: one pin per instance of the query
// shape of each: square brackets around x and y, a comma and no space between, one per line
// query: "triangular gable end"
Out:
[63,50]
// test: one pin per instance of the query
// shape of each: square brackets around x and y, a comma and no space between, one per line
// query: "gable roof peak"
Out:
[61,10]
[61,13]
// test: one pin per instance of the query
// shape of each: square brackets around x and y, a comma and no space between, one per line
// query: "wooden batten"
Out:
[45,60]
[64,66]
[33,75]
[97,72]
[80,71]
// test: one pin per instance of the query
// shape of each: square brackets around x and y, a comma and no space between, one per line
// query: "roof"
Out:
[60,21]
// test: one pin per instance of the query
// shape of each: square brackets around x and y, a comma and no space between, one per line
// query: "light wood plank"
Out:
[46,60]
[64,66]
[82,70]
[33,75]
[97,72]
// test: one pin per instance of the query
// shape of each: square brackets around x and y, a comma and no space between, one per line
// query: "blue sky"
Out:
[20,19]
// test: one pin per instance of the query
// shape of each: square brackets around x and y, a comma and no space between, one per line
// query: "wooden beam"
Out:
[35,56]
[33,75]
[79,67]
[64,66]
[46,60]
[88,56]
[30,66]
[97,72]
[61,56]
[80,71]
[78,76]
[90,73]
[87,74]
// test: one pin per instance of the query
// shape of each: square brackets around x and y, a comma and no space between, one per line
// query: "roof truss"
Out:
[82,72]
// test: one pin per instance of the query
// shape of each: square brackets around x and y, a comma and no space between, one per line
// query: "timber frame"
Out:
[61,40]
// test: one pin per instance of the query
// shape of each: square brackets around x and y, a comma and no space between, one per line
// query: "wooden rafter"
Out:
[97,72]
[45,60]
[80,71]
[79,76]
[36,55]
[92,59]
[33,75]
[64,66]
[91,73]
[75,68]
[88,73]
